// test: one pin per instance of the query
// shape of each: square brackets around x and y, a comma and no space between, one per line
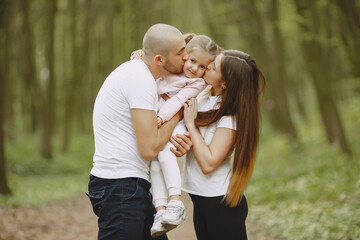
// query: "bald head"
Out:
[159,40]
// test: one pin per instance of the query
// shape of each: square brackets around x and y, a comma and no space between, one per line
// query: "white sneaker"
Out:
[174,214]
[158,228]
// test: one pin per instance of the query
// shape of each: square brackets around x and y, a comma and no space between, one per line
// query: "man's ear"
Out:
[158,59]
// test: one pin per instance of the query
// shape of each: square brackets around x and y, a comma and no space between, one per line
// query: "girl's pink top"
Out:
[179,88]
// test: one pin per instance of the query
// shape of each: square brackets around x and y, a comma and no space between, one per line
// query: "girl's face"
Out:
[196,63]
[213,76]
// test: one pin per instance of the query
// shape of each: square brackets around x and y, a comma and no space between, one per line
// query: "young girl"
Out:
[165,173]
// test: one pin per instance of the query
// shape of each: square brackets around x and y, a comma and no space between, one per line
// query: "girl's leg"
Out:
[170,170]
[175,210]
[160,194]
[170,167]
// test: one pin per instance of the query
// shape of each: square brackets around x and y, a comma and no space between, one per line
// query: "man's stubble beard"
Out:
[169,67]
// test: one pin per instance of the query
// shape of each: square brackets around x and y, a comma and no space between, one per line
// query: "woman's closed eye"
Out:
[211,66]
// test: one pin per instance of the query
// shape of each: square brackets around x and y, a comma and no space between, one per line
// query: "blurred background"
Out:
[55,54]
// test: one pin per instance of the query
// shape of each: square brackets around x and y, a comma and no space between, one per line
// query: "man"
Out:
[127,136]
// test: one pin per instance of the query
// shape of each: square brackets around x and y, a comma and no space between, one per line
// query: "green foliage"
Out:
[309,190]
[35,181]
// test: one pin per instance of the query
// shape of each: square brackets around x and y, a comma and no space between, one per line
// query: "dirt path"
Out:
[74,220]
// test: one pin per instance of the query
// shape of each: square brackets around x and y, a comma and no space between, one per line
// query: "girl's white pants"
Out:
[165,172]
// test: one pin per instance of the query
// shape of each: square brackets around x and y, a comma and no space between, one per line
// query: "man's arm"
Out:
[151,139]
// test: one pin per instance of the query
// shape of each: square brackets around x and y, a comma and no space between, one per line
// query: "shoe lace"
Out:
[174,209]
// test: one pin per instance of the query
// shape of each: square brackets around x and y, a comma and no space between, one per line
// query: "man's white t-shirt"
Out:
[129,86]
[215,184]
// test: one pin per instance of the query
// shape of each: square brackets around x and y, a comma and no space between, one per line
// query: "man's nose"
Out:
[185,56]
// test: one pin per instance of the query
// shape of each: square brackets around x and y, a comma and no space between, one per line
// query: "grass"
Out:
[35,181]
[309,190]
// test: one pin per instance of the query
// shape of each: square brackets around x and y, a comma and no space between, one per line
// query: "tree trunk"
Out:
[316,54]
[87,74]
[75,90]
[9,121]
[91,72]
[299,100]
[4,7]
[215,23]
[4,189]
[109,35]
[351,32]
[278,90]
[251,25]
[28,66]
[49,104]
[81,119]
[71,86]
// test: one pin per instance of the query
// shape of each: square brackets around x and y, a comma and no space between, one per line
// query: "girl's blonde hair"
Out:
[203,42]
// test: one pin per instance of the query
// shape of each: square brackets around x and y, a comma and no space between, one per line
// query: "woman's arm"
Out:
[208,157]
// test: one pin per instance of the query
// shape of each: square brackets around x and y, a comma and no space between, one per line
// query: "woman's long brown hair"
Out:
[244,86]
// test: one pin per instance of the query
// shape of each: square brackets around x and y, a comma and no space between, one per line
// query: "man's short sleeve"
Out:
[141,93]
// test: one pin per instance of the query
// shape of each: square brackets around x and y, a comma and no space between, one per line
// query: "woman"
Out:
[225,117]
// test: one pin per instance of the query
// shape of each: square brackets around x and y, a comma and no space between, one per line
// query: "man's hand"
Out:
[182,143]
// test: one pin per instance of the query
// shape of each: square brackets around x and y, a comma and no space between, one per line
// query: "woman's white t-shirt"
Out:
[194,181]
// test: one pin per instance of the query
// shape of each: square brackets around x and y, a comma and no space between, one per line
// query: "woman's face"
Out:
[213,75]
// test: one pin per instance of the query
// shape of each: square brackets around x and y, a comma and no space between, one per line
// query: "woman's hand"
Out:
[182,143]
[190,112]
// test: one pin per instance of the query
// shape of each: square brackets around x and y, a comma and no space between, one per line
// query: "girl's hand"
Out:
[190,112]
[182,143]
[136,54]
[159,121]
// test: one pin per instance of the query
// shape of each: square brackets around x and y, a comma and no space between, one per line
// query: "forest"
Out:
[55,55]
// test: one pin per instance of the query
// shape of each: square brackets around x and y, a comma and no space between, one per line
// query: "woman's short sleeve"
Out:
[227,122]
